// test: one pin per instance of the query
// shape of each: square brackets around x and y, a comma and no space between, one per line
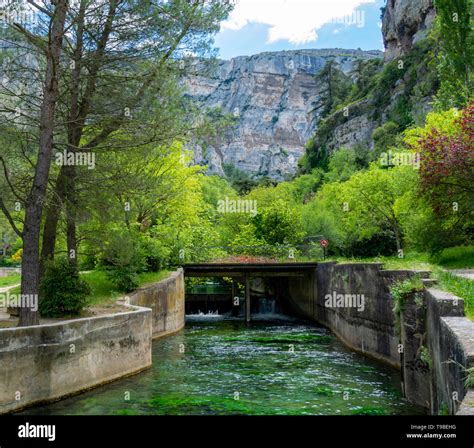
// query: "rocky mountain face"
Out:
[404,23]
[276,101]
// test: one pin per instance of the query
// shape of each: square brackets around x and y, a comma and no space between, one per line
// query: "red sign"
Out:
[324,243]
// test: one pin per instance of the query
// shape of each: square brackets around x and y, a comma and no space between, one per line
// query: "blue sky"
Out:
[271,25]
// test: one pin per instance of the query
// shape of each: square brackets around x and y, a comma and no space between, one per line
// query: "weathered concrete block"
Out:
[370,330]
[467,405]
[47,362]
[167,302]
[451,345]
[416,360]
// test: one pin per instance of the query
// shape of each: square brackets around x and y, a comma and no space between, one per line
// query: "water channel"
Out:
[220,366]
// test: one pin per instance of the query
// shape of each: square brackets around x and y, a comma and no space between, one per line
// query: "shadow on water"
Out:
[220,366]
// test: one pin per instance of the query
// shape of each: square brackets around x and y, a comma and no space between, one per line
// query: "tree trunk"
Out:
[35,201]
[397,240]
[53,213]
[71,205]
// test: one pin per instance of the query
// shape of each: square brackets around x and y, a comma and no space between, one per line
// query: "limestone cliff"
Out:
[276,101]
[404,23]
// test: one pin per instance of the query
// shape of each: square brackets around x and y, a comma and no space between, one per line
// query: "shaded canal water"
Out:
[217,366]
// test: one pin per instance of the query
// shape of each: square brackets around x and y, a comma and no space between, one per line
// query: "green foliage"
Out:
[456,257]
[443,205]
[337,86]
[215,188]
[278,224]
[363,208]
[104,291]
[393,92]
[9,280]
[62,291]
[402,289]
[385,137]
[443,409]
[400,292]
[469,381]
[425,357]
[459,286]
[344,162]
[364,72]
[240,180]
[385,82]
[123,259]
[455,60]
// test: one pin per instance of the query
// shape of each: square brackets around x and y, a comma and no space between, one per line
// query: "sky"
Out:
[255,26]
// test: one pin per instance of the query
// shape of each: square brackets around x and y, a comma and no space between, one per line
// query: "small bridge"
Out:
[247,269]
[244,272]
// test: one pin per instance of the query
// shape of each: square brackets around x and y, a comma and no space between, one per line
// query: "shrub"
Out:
[123,260]
[380,243]
[400,291]
[469,381]
[62,292]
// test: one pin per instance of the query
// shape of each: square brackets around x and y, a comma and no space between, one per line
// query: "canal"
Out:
[218,366]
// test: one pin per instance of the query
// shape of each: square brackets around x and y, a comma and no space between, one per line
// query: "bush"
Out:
[124,259]
[380,243]
[62,292]
[400,292]
[125,278]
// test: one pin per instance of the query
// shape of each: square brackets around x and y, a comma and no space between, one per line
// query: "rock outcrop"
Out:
[404,23]
[277,102]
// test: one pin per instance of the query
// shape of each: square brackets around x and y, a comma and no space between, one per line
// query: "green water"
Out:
[271,367]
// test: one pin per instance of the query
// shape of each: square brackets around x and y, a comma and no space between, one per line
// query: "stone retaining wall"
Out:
[451,346]
[47,362]
[166,300]
[431,342]
[370,330]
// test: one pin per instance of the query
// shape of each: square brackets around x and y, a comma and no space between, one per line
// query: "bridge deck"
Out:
[243,269]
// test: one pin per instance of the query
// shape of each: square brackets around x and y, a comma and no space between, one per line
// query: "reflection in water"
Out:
[221,366]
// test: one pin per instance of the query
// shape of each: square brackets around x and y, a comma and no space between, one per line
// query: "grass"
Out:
[469,381]
[104,291]
[411,260]
[459,286]
[457,257]
[452,258]
[9,280]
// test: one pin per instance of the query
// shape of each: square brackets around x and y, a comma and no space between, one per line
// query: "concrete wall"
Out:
[370,330]
[451,345]
[48,362]
[432,344]
[7,271]
[166,300]
[301,293]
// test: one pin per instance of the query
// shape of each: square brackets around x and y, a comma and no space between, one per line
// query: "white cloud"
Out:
[293,20]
